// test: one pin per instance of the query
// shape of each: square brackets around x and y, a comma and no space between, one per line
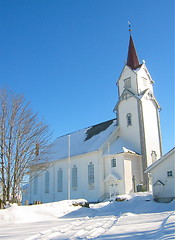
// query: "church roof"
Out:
[132,60]
[83,141]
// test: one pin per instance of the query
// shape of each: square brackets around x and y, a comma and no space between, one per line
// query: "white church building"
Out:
[107,159]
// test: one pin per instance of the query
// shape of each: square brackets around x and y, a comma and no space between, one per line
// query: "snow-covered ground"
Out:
[137,218]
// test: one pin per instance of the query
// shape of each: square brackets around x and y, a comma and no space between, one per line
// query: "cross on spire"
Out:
[130,29]
[132,60]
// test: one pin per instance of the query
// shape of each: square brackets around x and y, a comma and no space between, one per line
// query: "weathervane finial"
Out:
[130,29]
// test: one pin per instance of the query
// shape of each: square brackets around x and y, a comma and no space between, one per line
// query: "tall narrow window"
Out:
[35,182]
[129,120]
[91,175]
[60,180]
[113,162]
[47,182]
[127,83]
[74,178]
[144,82]
[154,156]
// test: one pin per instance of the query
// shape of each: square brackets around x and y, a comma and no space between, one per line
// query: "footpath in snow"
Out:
[137,218]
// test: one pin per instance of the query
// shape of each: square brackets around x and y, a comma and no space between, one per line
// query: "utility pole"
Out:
[68,187]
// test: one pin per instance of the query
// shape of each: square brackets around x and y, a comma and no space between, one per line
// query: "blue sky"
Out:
[65,56]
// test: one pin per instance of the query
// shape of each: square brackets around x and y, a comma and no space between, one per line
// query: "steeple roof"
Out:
[132,60]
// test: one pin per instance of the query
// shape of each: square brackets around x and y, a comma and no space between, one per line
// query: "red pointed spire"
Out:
[132,61]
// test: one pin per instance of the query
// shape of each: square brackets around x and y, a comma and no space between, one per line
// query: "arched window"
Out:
[91,175]
[60,180]
[129,119]
[35,183]
[144,82]
[154,156]
[127,83]
[113,162]
[47,182]
[74,178]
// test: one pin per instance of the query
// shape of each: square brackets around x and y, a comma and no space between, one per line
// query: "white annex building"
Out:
[109,158]
[163,177]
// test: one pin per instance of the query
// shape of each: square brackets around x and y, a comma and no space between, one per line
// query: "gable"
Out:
[112,177]
[149,96]
[124,96]
[125,70]
[146,72]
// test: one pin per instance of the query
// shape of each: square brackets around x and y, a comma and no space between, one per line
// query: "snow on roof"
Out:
[120,145]
[83,141]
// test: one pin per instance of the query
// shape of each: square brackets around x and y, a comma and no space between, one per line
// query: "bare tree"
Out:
[22,136]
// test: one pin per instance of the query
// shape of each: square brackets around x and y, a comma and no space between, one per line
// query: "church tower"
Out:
[138,110]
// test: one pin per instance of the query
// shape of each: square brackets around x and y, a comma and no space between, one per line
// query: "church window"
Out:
[154,156]
[129,120]
[74,178]
[144,82]
[150,95]
[127,82]
[169,174]
[113,162]
[91,175]
[35,181]
[47,182]
[60,180]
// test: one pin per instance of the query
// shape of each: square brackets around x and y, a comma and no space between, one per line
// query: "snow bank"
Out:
[134,204]
[42,212]
[139,217]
